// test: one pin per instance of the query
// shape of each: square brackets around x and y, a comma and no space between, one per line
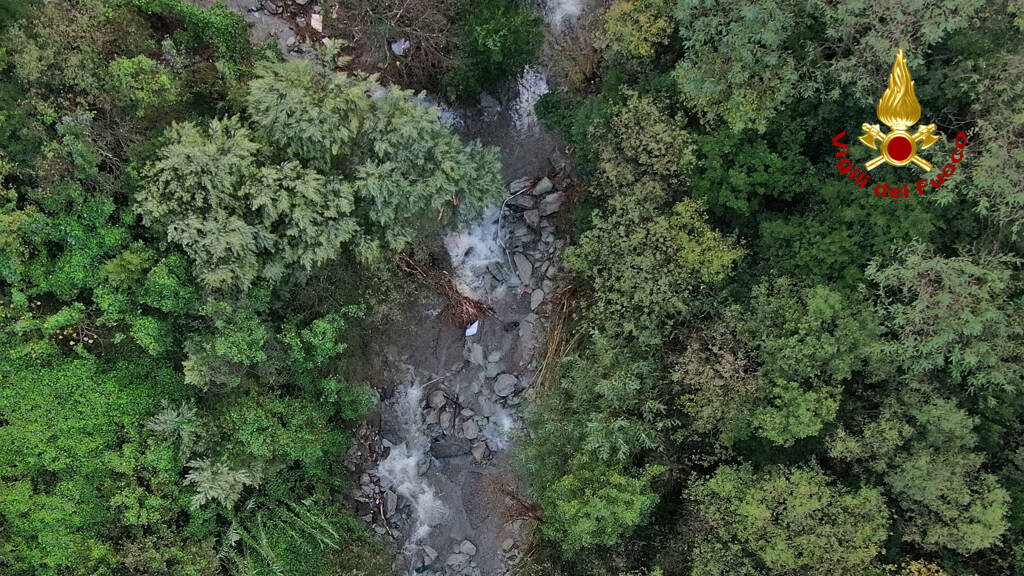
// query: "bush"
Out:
[499,38]
[140,85]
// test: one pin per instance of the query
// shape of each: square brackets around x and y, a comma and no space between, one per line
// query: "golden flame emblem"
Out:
[899,110]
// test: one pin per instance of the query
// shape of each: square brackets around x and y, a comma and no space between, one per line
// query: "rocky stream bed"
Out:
[436,476]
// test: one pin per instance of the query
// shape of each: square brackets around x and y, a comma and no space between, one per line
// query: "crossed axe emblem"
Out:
[898,147]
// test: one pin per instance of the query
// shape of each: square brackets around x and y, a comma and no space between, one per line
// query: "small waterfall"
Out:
[472,250]
[532,84]
[402,467]
[563,11]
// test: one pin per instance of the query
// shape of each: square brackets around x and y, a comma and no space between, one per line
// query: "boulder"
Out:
[400,46]
[470,430]
[543,187]
[437,399]
[536,298]
[505,385]
[550,204]
[479,451]
[523,266]
[518,185]
[532,217]
[467,548]
[449,449]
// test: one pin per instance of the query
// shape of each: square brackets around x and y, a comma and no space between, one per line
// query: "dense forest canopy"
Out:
[764,370]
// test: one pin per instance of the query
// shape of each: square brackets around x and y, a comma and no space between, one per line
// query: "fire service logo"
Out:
[899,110]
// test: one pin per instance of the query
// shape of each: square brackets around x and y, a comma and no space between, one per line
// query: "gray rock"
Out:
[445,420]
[489,106]
[399,47]
[479,451]
[437,399]
[532,217]
[432,417]
[429,553]
[523,201]
[476,354]
[508,544]
[505,385]
[468,548]
[470,430]
[457,559]
[518,185]
[300,21]
[290,42]
[494,356]
[550,204]
[449,448]
[536,298]
[493,369]
[523,266]
[543,187]
[390,503]
[497,271]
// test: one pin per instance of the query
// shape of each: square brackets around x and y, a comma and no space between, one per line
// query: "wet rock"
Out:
[532,217]
[449,448]
[505,385]
[551,204]
[400,46]
[467,548]
[390,503]
[493,369]
[518,185]
[523,266]
[429,553]
[470,430]
[523,201]
[490,107]
[457,559]
[536,298]
[479,451]
[437,399]
[476,354]
[543,187]
[432,417]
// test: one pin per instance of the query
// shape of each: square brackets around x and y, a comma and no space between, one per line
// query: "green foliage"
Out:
[633,30]
[649,271]
[737,68]
[785,522]
[955,319]
[792,412]
[643,150]
[80,480]
[808,333]
[924,452]
[592,507]
[246,212]
[140,84]
[216,26]
[498,38]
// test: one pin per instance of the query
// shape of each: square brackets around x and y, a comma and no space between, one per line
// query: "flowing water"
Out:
[403,467]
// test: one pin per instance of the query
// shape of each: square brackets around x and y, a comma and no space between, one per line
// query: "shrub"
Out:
[499,38]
